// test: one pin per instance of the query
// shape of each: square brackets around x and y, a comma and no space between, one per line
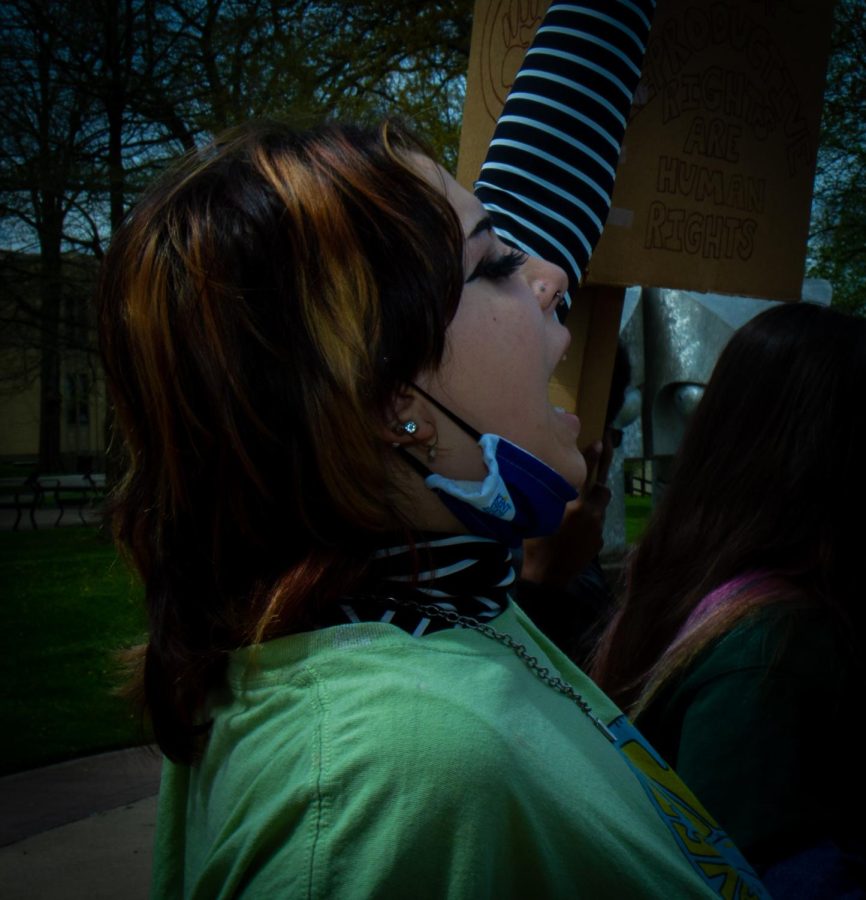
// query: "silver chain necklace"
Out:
[531,662]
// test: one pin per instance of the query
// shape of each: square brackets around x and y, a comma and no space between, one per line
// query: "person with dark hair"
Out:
[331,376]
[739,643]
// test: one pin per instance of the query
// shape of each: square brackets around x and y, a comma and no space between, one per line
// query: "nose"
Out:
[548,281]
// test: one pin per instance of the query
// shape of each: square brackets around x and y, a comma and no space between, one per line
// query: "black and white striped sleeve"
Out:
[548,177]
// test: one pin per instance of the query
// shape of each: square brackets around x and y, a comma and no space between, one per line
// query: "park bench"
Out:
[79,492]
[20,495]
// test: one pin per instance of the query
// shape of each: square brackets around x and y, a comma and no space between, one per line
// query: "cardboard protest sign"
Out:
[714,184]
[502,31]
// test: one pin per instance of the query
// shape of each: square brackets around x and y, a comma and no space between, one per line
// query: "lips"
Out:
[568,418]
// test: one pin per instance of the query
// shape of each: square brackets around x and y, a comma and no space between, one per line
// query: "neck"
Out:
[417,504]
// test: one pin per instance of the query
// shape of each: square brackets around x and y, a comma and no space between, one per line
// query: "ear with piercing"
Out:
[410,427]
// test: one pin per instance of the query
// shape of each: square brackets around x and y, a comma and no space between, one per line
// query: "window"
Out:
[77,398]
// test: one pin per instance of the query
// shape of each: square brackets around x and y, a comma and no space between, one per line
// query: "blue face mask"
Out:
[521,497]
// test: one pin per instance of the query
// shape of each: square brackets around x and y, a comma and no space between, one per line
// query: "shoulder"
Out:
[761,679]
[386,767]
[763,686]
[370,762]
[381,702]
[794,640]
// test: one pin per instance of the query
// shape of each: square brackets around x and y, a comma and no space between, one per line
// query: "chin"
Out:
[579,480]
[572,469]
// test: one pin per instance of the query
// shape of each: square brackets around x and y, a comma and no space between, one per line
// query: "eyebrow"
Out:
[483,226]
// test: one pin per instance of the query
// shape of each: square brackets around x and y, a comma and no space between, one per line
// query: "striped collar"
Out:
[459,573]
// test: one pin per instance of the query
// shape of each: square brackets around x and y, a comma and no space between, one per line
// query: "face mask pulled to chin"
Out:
[521,496]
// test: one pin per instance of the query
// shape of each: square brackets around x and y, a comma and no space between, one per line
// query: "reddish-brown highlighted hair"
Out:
[258,310]
[765,479]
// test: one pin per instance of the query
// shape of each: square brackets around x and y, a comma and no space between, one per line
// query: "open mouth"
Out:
[569,418]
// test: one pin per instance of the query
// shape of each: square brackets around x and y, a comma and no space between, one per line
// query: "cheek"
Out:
[473,340]
[504,332]
[501,358]
[498,357]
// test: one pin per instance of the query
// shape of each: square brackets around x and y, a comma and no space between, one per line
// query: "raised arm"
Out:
[548,176]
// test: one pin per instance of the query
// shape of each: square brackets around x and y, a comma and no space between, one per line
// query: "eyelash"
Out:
[500,268]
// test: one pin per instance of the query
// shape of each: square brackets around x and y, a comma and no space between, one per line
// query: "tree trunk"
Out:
[50,397]
[118,49]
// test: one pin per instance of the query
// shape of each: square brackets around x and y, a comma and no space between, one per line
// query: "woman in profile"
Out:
[739,644]
[331,376]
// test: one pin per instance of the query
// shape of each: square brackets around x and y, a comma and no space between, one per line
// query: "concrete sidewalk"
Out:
[80,829]
[46,517]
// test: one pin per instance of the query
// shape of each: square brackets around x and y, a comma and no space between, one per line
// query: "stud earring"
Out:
[408,427]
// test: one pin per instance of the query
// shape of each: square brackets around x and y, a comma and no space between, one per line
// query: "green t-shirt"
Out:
[359,761]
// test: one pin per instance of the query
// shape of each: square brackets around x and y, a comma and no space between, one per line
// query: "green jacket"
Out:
[758,728]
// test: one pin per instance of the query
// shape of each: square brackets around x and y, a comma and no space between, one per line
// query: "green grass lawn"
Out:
[67,605]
